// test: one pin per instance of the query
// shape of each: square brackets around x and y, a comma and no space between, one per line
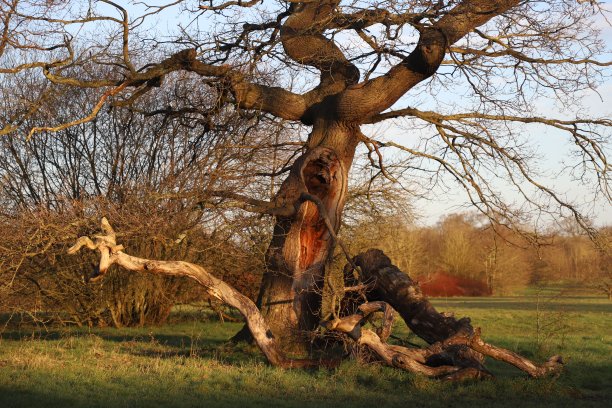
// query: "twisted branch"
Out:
[111,253]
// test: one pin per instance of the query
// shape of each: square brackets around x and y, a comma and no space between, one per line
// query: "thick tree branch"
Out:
[223,6]
[364,100]
[112,254]
[247,95]
[431,116]
[303,41]
[254,205]
[413,360]
[451,340]
[508,52]
[368,17]
[469,14]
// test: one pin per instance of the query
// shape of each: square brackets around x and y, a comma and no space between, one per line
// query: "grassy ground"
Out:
[188,363]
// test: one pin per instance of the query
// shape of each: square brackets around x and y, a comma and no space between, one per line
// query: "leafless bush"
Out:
[41,281]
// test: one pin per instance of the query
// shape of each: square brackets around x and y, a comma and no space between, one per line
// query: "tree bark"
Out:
[301,245]
[391,285]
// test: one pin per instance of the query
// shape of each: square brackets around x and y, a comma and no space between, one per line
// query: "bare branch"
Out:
[86,119]
[112,254]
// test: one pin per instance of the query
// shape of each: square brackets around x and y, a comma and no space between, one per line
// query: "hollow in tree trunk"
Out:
[290,293]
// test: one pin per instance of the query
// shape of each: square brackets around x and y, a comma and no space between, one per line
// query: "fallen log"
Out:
[388,283]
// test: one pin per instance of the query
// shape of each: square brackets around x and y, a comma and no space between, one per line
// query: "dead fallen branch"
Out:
[111,254]
[552,366]
[418,360]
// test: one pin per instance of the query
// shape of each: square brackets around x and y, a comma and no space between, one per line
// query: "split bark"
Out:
[302,242]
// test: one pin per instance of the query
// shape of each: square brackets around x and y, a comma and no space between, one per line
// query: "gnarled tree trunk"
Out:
[290,294]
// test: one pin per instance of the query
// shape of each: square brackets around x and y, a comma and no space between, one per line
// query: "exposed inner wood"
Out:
[290,295]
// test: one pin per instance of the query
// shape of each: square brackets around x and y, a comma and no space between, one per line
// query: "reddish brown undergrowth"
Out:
[441,284]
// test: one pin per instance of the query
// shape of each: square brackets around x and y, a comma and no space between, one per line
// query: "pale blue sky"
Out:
[553,145]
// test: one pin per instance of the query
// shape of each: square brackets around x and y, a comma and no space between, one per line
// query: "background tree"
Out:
[332,67]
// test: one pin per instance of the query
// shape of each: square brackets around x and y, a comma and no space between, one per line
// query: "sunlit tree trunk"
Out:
[291,290]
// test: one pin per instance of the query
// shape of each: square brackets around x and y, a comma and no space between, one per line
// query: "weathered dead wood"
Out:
[393,286]
[552,366]
[388,283]
[453,341]
[418,360]
[410,359]
[111,254]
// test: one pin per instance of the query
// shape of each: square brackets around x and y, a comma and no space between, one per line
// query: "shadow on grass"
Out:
[367,387]
[178,340]
[137,342]
[132,398]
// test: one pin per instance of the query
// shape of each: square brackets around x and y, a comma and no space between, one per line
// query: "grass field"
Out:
[189,363]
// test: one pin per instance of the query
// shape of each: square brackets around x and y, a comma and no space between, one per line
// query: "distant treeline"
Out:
[465,255]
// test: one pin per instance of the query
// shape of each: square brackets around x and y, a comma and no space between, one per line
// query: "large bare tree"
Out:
[334,67]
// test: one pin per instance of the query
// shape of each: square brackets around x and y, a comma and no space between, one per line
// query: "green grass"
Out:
[189,363]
